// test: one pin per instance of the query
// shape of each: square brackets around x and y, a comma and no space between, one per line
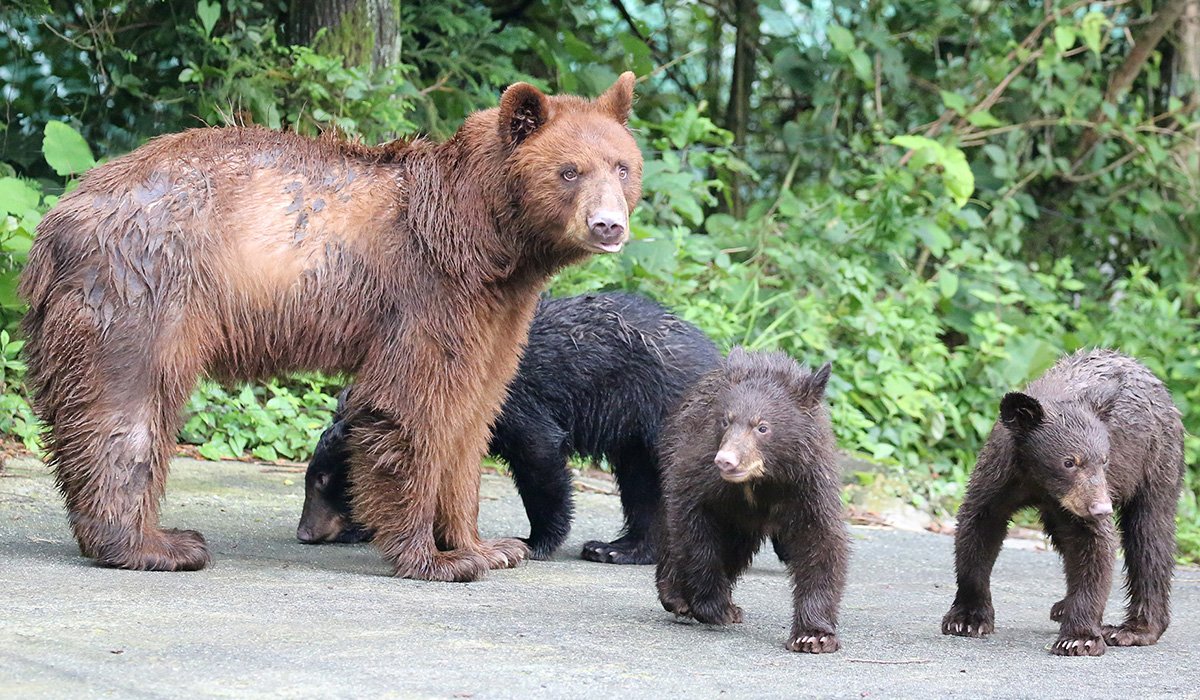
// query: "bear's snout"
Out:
[607,229]
[1101,509]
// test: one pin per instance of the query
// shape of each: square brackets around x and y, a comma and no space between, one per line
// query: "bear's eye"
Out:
[622,172]
[569,174]
[763,428]
[724,421]
[1069,463]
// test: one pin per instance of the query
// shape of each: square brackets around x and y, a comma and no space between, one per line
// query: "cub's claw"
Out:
[814,642]
[1079,646]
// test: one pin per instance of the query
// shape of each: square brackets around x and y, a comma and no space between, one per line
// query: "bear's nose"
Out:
[1101,509]
[607,226]
[305,534]
[726,460]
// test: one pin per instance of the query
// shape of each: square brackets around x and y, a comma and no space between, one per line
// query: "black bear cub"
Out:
[750,453]
[1097,430]
[597,379]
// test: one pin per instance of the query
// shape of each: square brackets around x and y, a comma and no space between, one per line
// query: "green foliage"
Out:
[915,199]
[271,421]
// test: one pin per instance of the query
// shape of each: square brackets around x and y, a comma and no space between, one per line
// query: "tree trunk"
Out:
[360,31]
[737,116]
[1165,17]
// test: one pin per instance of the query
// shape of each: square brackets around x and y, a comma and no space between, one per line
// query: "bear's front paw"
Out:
[814,642]
[1082,645]
[503,552]
[1128,635]
[962,622]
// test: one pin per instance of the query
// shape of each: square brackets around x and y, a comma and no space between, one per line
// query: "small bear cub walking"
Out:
[750,453]
[1097,430]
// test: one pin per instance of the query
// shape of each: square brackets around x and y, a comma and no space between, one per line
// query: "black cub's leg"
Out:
[814,537]
[636,470]
[537,457]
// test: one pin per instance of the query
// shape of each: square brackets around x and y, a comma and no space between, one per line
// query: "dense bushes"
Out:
[907,199]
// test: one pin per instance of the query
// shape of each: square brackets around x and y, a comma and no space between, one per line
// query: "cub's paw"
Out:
[814,642]
[715,614]
[620,551]
[1128,636]
[540,549]
[968,623]
[1056,610]
[1085,645]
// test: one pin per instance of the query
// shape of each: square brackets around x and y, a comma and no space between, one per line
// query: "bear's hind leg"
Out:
[111,434]
[1148,535]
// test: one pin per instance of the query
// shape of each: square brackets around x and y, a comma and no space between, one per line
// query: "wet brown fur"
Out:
[244,253]
[1096,431]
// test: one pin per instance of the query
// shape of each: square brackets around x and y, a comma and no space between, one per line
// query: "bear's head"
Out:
[576,169]
[326,516]
[1063,447]
[772,415]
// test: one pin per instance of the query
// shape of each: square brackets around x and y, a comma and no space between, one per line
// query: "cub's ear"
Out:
[1020,412]
[809,388]
[737,364]
[523,110]
[820,379]
[617,100]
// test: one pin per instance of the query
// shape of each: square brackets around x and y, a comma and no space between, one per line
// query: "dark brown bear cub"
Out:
[1097,430]
[750,453]
[246,253]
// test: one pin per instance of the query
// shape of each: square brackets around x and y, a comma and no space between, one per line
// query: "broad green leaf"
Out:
[947,283]
[954,101]
[65,150]
[982,119]
[1093,23]
[209,13]
[1064,37]
[16,197]
[933,236]
[862,65]
[840,38]
[957,175]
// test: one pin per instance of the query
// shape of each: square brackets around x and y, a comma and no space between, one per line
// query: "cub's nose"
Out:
[607,227]
[726,460]
[307,535]
[1101,509]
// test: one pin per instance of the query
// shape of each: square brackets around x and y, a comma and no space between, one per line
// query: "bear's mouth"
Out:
[608,247]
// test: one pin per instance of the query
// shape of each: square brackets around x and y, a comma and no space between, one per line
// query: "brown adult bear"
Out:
[246,253]
[1096,430]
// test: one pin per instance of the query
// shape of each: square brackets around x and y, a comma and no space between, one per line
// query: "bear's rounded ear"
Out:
[1020,412]
[618,99]
[820,379]
[523,110]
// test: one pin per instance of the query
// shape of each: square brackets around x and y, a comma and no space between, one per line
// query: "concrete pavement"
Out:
[274,618]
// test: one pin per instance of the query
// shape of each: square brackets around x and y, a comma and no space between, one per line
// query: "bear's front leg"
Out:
[394,489]
[1088,550]
[814,536]
[701,568]
[1148,537]
[982,526]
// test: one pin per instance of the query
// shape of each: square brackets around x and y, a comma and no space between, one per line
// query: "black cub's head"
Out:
[771,414]
[1062,447]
